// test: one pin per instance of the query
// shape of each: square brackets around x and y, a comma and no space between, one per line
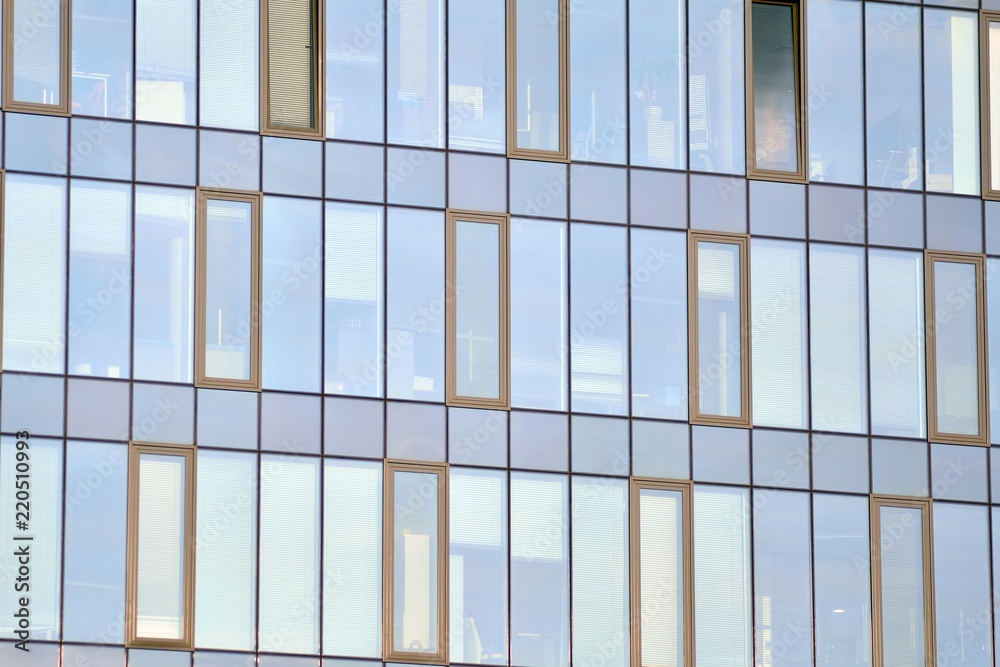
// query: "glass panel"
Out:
[230,78]
[995,520]
[477,309]
[228,289]
[994,101]
[293,167]
[993,340]
[415,562]
[355,103]
[161,546]
[599,319]
[720,381]
[226,564]
[780,345]
[658,113]
[100,281]
[354,297]
[892,56]
[661,577]
[352,558]
[415,35]
[538,314]
[839,338]
[34,267]
[539,570]
[951,100]
[166,80]
[478,566]
[600,571]
[37,55]
[102,58]
[597,85]
[775,81]
[538,74]
[292,58]
[415,432]
[902,574]
[476,65]
[843,588]
[721,454]
[956,347]
[896,324]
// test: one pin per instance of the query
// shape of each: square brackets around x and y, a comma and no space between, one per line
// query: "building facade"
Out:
[539,333]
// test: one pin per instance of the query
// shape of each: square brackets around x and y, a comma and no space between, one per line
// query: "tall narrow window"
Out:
[477,359]
[160,593]
[718,311]
[989,41]
[538,79]
[662,573]
[36,58]
[416,563]
[775,81]
[291,67]
[227,316]
[902,589]
[956,348]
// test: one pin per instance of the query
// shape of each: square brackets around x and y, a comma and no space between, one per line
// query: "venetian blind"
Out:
[291,63]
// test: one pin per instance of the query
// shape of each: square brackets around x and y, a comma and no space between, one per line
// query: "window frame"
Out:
[189,454]
[502,220]
[390,468]
[985,18]
[561,155]
[318,132]
[877,502]
[686,489]
[255,199]
[934,434]
[801,175]
[65,45]
[695,416]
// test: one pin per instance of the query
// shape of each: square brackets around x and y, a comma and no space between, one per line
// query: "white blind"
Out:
[353,252]
[37,39]
[100,222]
[956,346]
[291,63]
[902,587]
[352,558]
[476,513]
[226,564]
[165,59]
[537,518]
[661,568]
[229,64]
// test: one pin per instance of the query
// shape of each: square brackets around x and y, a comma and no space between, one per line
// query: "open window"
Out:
[291,68]
[36,56]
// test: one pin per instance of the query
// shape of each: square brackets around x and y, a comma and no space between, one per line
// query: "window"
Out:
[477,301]
[166,66]
[538,79]
[291,66]
[990,82]
[227,316]
[662,573]
[956,348]
[776,149]
[415,563]
[718,312]
[902,589]
[160,591]
[36,58]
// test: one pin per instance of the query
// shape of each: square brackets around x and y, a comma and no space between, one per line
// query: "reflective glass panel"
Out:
[230,77]
[775,81]
[165,46]
[37,65]
[355,98]
[102,58]
[719,321]
[902,575]
[661,577]
[956,345]
[477,309]
[415,562]
[476,86]
[993,55]
[597,82]
[538,75]
[415,37]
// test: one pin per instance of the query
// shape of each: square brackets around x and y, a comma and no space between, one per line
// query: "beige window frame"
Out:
[924,505]
[255,199]
[269,128]
[695,416]
[986,18]
[65,46]
[801,175]
[561,155]
[934,432]
[636,485]
[388,560]
[188,453]
[451,306]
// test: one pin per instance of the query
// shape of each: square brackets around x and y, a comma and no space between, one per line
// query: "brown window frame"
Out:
[695,416]
[801,175]
[188,453]
[255,199]
[455,216]
[319,77]
[390,468]
[985,18]
[65,44]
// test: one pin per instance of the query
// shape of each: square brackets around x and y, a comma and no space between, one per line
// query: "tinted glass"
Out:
[719,321]
[477,309]
[538,74]
[415,563]
[775,81]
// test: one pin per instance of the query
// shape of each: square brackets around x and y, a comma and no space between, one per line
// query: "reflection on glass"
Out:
[775,81]
[658,111]
[415,562]
[415,36]
[228,289]
[229,83]
[160,547]
[476,95]
[539,74]
[661,577]
[165,46]
[597,88]
[720,382]
[478,566]
[994,103]
[956,347]
[37,52]
[355,104]
[102,58]
[993,352]
[477,309]
[901,552]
